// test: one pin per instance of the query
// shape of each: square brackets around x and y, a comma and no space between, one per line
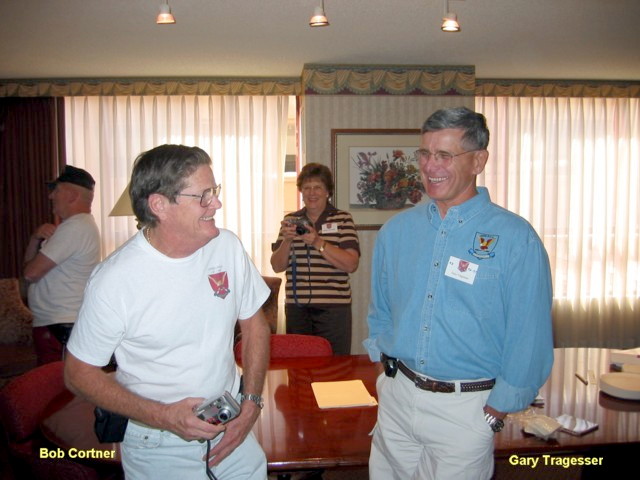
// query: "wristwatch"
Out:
[495,423]
[257,399]
[321,249]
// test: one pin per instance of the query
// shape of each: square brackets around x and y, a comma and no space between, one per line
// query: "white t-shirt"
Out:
[75,248]
[170,321]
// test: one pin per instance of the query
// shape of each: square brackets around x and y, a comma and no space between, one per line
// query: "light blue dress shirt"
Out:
[466,297]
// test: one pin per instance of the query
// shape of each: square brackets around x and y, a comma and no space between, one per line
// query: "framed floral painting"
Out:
[375,173]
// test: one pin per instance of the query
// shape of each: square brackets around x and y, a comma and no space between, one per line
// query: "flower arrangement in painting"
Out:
[388,182]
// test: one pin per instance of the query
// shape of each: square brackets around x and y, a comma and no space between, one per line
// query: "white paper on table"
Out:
[349,393]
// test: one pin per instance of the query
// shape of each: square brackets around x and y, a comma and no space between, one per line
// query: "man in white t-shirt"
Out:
[58,261]
[166,303]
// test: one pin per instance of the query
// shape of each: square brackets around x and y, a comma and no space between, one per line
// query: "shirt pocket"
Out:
[479,300]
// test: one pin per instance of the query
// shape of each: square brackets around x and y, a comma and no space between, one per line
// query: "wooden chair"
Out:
[291,345]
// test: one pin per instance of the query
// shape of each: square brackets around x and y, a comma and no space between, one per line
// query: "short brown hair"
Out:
[319,171]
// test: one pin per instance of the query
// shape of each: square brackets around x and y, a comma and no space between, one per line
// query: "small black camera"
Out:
[301,223]
[218,410]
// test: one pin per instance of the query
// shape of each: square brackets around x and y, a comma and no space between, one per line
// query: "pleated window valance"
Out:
[557,88]
[148,86]
[321,79]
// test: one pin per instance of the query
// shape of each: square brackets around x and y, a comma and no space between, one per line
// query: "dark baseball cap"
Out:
[74,175]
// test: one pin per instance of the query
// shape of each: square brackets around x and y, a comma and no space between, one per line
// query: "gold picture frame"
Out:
[346,144]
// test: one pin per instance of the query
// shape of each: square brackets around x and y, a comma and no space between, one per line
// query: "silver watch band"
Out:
[495,423]
[257,399]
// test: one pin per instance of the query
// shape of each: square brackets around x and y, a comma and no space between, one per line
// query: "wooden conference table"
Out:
[297,435]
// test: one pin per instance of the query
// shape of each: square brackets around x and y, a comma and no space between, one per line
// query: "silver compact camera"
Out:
[219,410]
[300,223]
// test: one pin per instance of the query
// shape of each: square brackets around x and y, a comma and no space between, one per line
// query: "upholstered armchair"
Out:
[16,343]
[270,307]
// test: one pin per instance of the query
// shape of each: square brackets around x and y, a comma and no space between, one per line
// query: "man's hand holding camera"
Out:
[179,418]
[235,432]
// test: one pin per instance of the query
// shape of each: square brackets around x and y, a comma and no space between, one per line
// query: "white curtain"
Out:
[244,135]
[571,166]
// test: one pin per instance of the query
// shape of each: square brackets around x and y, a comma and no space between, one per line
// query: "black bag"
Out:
[109,426]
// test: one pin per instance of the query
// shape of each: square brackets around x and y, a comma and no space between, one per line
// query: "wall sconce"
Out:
[450,20]
[165,17]
[319,19]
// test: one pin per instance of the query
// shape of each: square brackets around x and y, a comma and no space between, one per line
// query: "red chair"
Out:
[23,402]
[291,345]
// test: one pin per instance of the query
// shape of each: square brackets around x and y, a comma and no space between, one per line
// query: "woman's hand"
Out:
[311,238]
[280,257]
[288,230]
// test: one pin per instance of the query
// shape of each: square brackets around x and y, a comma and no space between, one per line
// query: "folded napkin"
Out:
[541,426]
[575,426]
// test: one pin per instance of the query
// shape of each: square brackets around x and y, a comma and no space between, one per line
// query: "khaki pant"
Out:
[424,435]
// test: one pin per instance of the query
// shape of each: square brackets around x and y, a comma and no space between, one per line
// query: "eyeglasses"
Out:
[313,188]
[207,196]
[441,157]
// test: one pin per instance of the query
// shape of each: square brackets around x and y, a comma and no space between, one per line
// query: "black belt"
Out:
[392,365]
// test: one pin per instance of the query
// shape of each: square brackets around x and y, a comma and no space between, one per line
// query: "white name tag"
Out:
[330,227]
[461,270]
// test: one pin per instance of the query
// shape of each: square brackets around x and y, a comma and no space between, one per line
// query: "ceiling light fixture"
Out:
[450,20]
[319,19]
[165,17]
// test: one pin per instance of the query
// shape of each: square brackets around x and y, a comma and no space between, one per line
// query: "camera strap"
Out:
[207,470]
[294,276]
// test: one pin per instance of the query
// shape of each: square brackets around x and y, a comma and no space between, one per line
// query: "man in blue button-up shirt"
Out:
[460,314]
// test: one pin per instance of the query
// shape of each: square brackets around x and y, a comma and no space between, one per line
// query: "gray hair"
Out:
[476,133]
[162,170]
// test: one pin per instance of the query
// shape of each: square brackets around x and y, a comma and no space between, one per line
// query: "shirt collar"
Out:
[328,210]
[462,212]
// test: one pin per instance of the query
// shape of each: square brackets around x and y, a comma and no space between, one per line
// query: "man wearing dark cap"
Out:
[58,261]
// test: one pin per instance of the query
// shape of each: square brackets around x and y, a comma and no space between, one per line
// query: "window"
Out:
[244,135]
[571,166]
